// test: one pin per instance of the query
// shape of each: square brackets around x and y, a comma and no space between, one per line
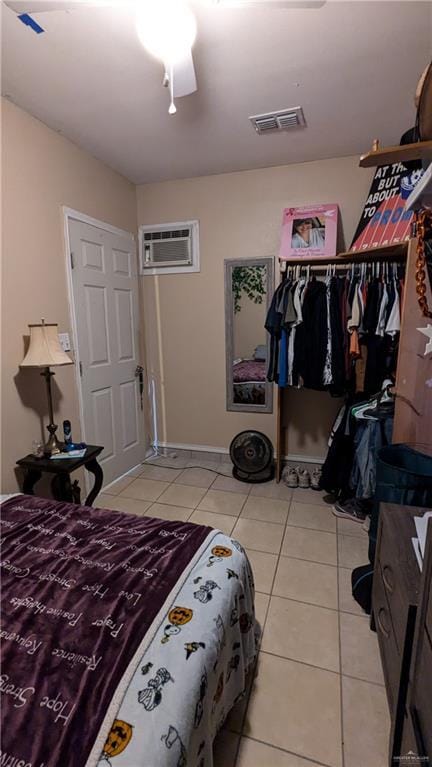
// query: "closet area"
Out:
[358,328]
[348,326]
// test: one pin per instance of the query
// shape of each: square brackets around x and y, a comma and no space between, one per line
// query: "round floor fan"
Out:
[252,455]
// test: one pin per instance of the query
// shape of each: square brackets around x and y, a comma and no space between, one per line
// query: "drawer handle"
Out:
[387,576]
[384,629]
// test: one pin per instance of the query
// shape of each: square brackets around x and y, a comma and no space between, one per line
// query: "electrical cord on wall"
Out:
[159,454]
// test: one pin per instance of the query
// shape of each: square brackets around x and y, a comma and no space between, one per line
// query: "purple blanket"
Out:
[81,588]
[249,370]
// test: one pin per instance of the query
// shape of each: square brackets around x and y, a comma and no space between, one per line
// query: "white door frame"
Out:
[69,214]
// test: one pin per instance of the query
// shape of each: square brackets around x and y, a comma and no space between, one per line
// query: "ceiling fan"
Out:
[166,28]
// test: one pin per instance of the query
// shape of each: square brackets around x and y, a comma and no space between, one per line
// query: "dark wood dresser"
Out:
[402,614]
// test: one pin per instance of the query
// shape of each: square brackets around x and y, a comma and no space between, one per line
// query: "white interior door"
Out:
[105,293]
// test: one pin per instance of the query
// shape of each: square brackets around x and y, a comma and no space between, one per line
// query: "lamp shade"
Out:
[44,348]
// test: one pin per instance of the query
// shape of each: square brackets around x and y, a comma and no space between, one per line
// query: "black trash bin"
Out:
[403,476]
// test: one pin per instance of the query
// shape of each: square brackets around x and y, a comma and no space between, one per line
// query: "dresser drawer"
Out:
[391,555]
[390,657]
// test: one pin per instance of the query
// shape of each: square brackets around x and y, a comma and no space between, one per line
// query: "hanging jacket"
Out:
[273,325]
[311,337]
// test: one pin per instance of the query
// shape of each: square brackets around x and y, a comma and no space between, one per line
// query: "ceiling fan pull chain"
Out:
[172,107]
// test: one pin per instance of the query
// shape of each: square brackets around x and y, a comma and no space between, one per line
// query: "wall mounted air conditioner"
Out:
[169,248]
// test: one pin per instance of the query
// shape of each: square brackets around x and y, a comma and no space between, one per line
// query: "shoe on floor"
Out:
[303,477]
[352,509]
[290,477]
[316,479]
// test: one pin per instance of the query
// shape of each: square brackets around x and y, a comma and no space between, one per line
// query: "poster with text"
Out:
[384,220]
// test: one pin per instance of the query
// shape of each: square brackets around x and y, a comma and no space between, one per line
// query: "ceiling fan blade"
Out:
[43,6]
[283,4]
[184,79]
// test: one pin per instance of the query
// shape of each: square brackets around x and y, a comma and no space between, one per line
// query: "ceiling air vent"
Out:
[281,120]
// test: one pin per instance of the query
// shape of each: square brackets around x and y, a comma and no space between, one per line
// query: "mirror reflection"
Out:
[249,284]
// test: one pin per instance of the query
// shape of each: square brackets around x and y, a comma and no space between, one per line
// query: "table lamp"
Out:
[44,352]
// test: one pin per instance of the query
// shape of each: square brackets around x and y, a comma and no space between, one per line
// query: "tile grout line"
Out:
[312,604]
[280,549]
[312,561]
[340,653]
[320,668]
[285,751]
[263,629]
[243,721]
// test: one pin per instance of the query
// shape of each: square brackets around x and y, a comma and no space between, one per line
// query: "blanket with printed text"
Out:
[83,592]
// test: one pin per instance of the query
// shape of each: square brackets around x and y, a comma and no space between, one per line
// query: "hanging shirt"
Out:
[297,302]
[283,359]
[380,328]
[356,309]
[290,314]
[393,322]
[273,326]
[328,374]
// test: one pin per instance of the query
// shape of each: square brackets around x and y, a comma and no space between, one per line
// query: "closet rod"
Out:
[342,267]
[345,262]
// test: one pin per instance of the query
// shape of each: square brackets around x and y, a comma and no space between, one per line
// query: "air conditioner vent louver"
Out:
[276,121]
[169,248]
[167,235]
[166,252]
[265,123]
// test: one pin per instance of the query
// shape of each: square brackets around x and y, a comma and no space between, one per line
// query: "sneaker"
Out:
[351,509]
[290,477]
[316,479]
[303,477]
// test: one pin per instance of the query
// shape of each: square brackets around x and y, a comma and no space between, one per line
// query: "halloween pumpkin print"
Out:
[218,553]
[177,618]
[118,739]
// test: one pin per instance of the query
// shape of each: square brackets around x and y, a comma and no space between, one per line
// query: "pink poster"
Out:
[309,232]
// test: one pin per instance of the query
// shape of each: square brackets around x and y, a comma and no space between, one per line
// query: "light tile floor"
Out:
[317,693]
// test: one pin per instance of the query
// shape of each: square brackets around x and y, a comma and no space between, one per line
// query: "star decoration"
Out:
[427,331]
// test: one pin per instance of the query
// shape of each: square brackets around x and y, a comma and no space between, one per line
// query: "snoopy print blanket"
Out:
[125,640]
[82,592]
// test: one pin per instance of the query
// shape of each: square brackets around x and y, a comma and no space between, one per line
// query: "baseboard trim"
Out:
[300,458]
[122,476]
[194,448]
[295,457]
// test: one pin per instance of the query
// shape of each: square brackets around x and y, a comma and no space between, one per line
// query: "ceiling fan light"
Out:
[166,28]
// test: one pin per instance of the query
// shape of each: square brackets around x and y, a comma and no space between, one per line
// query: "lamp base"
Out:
[53,446]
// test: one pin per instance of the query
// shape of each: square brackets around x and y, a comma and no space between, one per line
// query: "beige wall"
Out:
[41,171]
[240,216]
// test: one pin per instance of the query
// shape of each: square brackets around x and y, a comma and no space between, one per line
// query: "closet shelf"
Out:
[385,252]
[421,150]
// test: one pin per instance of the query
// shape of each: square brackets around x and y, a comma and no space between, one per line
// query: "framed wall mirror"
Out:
[249,285]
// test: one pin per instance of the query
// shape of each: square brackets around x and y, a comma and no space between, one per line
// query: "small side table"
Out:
[62,468]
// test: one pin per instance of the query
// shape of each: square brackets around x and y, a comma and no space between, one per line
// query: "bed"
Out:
[249,381]
[126,640]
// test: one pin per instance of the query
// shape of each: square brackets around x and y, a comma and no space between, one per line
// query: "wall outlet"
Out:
[64,341]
